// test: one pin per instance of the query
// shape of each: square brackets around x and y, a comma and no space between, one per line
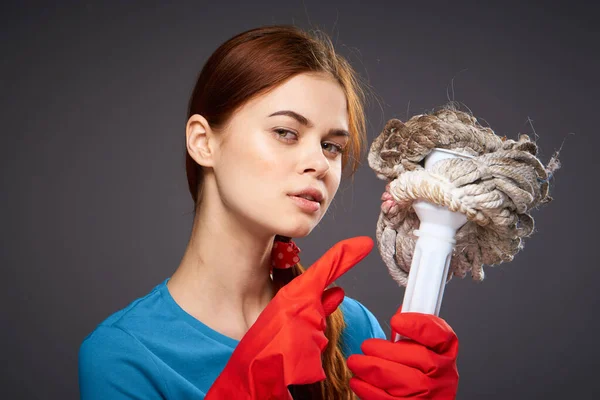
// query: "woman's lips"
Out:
[306,205]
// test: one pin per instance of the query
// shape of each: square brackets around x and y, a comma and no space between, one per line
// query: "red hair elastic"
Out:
[284,254]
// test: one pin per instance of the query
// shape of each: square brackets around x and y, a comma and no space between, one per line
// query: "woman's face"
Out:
[279,150]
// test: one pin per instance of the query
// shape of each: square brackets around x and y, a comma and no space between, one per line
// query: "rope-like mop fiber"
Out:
[495,190]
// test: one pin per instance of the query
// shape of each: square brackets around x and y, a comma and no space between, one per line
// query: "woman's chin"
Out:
[297,226]
[297,231]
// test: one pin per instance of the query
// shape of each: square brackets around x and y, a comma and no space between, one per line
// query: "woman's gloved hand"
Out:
[284,345]
[420,367]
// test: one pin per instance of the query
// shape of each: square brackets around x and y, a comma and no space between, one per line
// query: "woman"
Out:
[274,119]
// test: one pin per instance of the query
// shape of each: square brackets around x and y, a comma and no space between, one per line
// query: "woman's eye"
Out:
[290,136]
[285,134]
[333,148]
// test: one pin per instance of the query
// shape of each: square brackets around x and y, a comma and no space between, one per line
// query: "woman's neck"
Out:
[223,278]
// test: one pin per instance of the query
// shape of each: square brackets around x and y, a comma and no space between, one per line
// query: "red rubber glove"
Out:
[420,367]
[284,345]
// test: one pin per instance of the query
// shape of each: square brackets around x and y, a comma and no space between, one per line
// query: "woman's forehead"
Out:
[318,98]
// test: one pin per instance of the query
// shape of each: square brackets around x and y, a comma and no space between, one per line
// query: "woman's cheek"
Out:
[269,163]
[335,181]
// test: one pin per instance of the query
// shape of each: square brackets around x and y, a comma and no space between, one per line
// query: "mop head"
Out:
[496,189]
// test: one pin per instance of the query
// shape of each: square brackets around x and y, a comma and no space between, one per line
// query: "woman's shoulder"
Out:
[121,331]
[121,328]
[112,363]
[361,324]
[113,358]
[131,317]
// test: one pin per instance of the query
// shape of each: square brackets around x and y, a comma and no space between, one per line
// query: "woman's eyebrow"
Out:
[306,122]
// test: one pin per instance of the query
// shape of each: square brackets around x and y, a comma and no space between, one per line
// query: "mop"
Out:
[458,197]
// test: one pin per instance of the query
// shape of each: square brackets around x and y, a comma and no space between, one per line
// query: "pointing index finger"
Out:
[340,258]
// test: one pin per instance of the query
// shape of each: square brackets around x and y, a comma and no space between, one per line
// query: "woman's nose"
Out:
[314,161]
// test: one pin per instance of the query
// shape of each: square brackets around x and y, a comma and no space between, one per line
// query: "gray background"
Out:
[95,209]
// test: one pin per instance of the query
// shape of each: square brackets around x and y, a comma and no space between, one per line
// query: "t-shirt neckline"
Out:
[193,321]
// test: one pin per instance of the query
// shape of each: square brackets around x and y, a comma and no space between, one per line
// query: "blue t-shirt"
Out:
[153,349]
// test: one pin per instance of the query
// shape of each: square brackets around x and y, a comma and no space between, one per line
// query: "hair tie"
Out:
[284,254]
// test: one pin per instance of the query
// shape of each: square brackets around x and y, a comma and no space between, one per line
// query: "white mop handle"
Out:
[430,263]
[433,250]
[428,269]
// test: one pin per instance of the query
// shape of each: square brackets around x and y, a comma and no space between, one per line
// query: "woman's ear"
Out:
[200,140]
